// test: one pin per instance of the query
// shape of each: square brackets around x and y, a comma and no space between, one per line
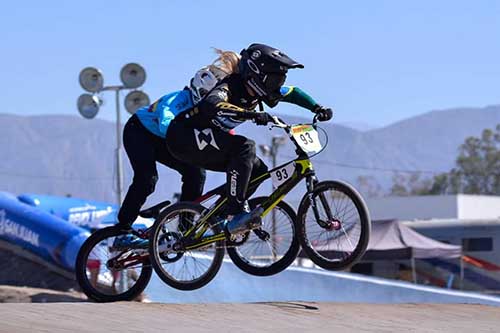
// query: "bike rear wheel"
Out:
[337,237]
[271,248]
[179,268]
[108,273]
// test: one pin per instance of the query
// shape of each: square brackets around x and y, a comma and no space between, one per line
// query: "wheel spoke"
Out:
[188,269]
[274,249]
[338,242]
[106,273]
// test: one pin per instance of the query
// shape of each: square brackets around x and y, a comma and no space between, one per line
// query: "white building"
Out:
[428,207]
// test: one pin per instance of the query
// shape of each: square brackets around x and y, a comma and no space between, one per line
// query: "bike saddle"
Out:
[154,211]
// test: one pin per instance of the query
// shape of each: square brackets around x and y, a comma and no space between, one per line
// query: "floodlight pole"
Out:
[119,167]
[119,163]
[132,76]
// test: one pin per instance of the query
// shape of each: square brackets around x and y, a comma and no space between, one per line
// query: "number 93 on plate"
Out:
[307,138]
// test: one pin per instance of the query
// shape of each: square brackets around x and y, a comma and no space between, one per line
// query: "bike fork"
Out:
[311,183]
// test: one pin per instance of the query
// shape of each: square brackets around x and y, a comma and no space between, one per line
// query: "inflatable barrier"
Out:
[87,214]
[54,228]
[48,236]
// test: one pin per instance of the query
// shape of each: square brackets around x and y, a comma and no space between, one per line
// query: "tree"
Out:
[477,171]
[410,185]
[478,165]
[368,186]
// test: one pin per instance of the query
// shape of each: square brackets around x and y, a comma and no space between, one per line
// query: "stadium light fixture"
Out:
[135,100]
[133,75]
[88,105]
[91,80]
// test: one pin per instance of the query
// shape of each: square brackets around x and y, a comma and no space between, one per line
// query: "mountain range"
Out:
[68,155]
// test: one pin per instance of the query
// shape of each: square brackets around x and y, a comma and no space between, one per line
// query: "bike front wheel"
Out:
[178,267]
[108,271]
[334,225]
[271,248]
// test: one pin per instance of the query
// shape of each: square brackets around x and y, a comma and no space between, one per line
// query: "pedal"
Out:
[255,222]
[237,239]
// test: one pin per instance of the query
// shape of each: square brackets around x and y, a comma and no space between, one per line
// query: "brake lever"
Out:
[278,123]
[315,121]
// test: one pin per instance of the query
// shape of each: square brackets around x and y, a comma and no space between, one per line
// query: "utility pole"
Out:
[272,152]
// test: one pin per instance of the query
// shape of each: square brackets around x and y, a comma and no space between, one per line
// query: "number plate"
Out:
[281,175]
[307,138]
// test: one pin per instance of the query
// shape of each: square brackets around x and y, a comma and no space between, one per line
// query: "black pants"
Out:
[216,150]
[144,149]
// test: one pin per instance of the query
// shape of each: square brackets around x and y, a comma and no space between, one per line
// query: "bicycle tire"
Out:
[156,258]
[364,221]
[254,268]
[93,292]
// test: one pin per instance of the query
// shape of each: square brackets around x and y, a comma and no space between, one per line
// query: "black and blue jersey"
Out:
[225,106]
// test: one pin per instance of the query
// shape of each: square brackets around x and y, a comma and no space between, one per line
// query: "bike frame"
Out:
[303,170]
[194,238]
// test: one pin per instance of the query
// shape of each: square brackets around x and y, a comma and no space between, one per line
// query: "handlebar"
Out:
[280,123]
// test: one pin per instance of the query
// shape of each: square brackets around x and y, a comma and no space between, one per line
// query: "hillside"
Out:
[69,155]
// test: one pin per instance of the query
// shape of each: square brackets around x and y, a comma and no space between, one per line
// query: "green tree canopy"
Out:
[477,171]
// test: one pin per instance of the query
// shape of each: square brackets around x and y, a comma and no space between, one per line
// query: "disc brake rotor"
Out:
[168,245]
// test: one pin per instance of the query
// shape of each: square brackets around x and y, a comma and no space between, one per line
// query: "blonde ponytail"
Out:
[227,61]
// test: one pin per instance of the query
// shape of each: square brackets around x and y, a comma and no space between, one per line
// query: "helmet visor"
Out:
[274,81]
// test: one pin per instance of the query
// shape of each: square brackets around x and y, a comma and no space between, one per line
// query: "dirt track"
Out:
[261,317]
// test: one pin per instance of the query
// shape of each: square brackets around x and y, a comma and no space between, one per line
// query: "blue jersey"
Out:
[158,115]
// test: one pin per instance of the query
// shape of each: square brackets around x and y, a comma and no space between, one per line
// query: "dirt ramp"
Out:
[261,317]
[12,294]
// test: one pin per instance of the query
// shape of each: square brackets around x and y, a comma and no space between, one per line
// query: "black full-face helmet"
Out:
[263,69]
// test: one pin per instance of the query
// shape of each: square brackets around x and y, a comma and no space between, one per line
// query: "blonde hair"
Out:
[227,61]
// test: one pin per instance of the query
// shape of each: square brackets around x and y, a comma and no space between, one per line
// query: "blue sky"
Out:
[372,61]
